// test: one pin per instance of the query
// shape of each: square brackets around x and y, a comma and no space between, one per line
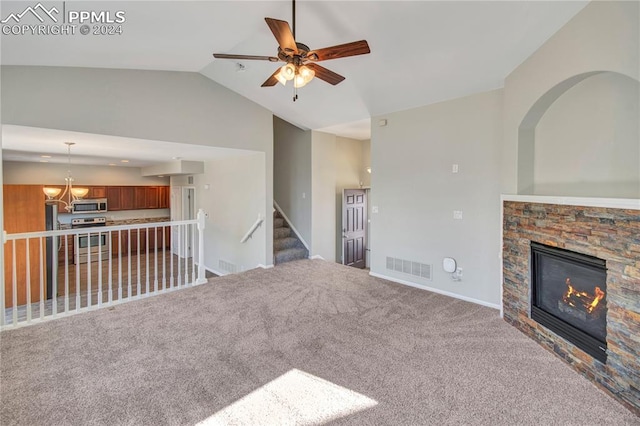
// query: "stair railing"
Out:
[253,228]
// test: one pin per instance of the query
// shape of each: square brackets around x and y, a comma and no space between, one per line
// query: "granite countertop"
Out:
[137,220]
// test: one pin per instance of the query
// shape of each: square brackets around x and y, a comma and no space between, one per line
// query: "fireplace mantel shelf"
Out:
[614,203]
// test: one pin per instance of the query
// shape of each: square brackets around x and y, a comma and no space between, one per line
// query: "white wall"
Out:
[324,195]
[25,173]
[178,107]
[292,175]
[604,36]
[235,197]
[416,193]
[588,142]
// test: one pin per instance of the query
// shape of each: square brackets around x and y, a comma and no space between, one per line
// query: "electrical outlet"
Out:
[457,214]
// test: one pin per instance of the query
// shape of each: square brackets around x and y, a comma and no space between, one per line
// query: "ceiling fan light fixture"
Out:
[299,81]
[306,73]
[288,72]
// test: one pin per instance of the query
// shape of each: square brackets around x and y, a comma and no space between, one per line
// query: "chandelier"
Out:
[70,192]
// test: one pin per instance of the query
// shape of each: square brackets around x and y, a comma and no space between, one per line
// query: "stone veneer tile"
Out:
[607,233]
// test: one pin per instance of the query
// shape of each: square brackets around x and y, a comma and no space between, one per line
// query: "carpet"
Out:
[404,356]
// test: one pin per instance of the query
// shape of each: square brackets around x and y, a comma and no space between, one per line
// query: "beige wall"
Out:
[232,192]
[365,177]
[416,192]
[324,195]
[588,142]
[604,36]
[17,172]
[292,175]
[180,107]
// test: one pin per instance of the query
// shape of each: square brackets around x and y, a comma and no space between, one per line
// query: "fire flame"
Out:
[588,302]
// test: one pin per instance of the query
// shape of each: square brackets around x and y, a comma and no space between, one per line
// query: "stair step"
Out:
[278,222]
[288,255]
[286,243]
[281,233]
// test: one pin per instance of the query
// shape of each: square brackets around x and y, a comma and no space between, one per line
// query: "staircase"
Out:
[286,245]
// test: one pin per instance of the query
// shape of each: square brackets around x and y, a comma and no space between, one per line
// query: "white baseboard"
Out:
[260,265]
[436,290]
[293,228]
[317,256]
[215,271]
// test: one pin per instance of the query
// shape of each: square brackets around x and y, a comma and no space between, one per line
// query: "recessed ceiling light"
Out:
[177,158]
[112,164]
[45,156]
[124,161]
[44,161]
[160,175]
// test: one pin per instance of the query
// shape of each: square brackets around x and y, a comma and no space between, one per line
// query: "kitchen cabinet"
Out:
[114,194]
[97,192]
[165,197]
[23,210]
[129,241]
[152,197]
[127,198]
[140,197]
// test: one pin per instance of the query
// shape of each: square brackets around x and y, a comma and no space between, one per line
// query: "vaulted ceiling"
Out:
[421,51]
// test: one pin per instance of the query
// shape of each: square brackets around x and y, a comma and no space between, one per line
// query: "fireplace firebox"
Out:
[568,296]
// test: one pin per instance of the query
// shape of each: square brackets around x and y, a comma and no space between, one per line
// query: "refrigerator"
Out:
[52,247]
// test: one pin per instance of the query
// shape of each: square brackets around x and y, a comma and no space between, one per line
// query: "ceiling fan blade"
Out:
[324,74]
[340,51]
[283,34]
[271,81]
[249,57]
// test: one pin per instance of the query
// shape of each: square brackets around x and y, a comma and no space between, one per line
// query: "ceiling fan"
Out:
[300,61]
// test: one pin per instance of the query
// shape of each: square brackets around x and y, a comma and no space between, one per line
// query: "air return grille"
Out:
[227,266]
[408,267]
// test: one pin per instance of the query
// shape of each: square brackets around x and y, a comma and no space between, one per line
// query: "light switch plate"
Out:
[454,168]
[457,214]
[374,209]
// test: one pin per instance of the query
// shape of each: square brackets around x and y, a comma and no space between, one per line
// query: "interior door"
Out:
[354,227]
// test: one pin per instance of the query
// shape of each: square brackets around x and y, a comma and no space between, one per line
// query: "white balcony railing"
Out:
[52,274]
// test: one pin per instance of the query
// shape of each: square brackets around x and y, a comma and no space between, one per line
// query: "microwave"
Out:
[97,205]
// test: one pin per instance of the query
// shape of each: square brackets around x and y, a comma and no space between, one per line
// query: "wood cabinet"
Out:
[23,210]
[137,197]
[152,197]
[97,192]
[114,194]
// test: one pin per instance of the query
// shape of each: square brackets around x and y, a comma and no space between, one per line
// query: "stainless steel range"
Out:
[95,242]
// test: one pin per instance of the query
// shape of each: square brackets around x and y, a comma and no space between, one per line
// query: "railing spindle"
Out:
[28,278]
[66,275]
[100,234]
[129,263]
[15,284]
[42,283]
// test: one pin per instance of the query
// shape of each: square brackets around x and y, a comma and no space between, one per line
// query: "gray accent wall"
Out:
[292,175]
[416,192]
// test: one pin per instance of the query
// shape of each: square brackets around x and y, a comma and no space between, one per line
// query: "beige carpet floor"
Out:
[307,342]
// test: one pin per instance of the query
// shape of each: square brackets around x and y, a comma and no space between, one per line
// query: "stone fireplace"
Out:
[571,281]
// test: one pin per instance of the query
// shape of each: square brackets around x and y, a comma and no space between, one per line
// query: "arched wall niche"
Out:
[582,138]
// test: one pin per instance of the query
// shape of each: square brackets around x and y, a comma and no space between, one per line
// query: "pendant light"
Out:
[70,192]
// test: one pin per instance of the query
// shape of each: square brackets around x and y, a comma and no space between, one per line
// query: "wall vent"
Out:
[408,267]
[227,266]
